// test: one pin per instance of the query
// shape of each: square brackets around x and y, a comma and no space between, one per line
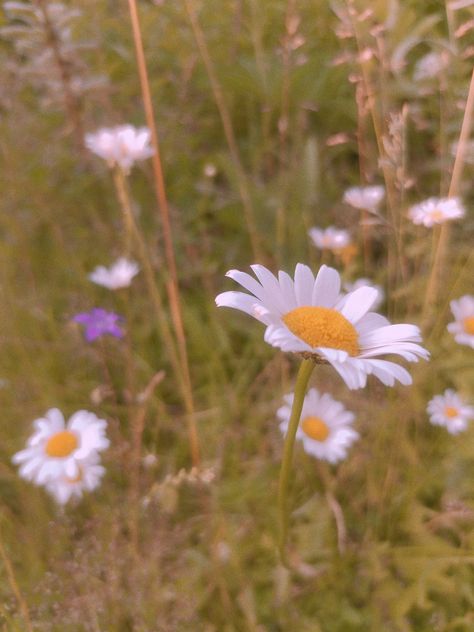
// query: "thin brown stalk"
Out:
[443,241]
[169,342]
[335,508]
[229,133]
[23,606]
[71,104]
[160,191]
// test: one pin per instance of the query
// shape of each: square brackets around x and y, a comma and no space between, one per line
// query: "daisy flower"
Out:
[449,410]
[121,146]
[463,325]
[119,275]
[310,316]
[99,322]
[89,476]
[325,426]
[436,211]
[330,238]
[351,287]
[365,198]
[56,448]
[430,66]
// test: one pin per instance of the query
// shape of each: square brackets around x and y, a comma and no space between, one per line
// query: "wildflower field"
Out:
[237,316]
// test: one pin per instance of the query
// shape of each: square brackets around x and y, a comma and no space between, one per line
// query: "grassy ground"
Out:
[266,113]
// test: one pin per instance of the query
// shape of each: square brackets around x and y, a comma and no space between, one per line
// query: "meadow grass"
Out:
[265,113]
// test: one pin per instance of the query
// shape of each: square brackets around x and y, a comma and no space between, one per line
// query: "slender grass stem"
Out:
[302,379]
[443,241]
[229,133]
[15,588]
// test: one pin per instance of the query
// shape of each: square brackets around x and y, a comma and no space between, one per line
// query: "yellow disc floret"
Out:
[469,325]
[61,444]
[451,412]
[315,428]
[323,327]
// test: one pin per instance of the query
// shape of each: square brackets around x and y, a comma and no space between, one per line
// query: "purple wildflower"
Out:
[98,322]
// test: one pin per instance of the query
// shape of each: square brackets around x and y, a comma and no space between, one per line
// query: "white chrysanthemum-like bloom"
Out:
[351,287]
[325,426]
[365,198]
[436,211]
[119,275]
[463,325]
[56,449]
[330,238]
[430,66]
[450,410]
[310,316]
[122,145]
[63,488]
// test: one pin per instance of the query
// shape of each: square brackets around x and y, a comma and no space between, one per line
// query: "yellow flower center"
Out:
[315,428]
[469,325]
[323,327]
[437,215]
[451,412]
[61,444]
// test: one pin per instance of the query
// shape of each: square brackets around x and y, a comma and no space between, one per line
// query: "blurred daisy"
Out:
[310,316]
[330,238]
[56,449]
[121,146]
[450,411]
[365,198]
[463,325]
[351,287]
[325,426]
[99,322]
[89,476]
[436,211]
[430,66]
[119,275]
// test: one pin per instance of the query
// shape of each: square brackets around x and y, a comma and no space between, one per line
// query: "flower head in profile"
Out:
[64,488]
[56,449]
[330,238]
[351,287]
[365,198]
[121,146]
[463,325]
[119,275]
[310,316]
[325,428]
[450,410]
[436,211]
[99,322]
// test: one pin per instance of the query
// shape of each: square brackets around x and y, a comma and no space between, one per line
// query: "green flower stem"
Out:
[302,379]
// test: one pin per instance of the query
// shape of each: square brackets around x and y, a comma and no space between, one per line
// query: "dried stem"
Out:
[218,93]
[160,191]
[443,241]
[15,588]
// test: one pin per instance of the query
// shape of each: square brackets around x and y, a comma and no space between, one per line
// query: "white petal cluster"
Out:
[436,211]
[337,420]
[363,282]
[62,455]
[330,238]
[430,66]
[272,298]
[463,325]
[119,275]
[451,411]
[121,146]
[365,198]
